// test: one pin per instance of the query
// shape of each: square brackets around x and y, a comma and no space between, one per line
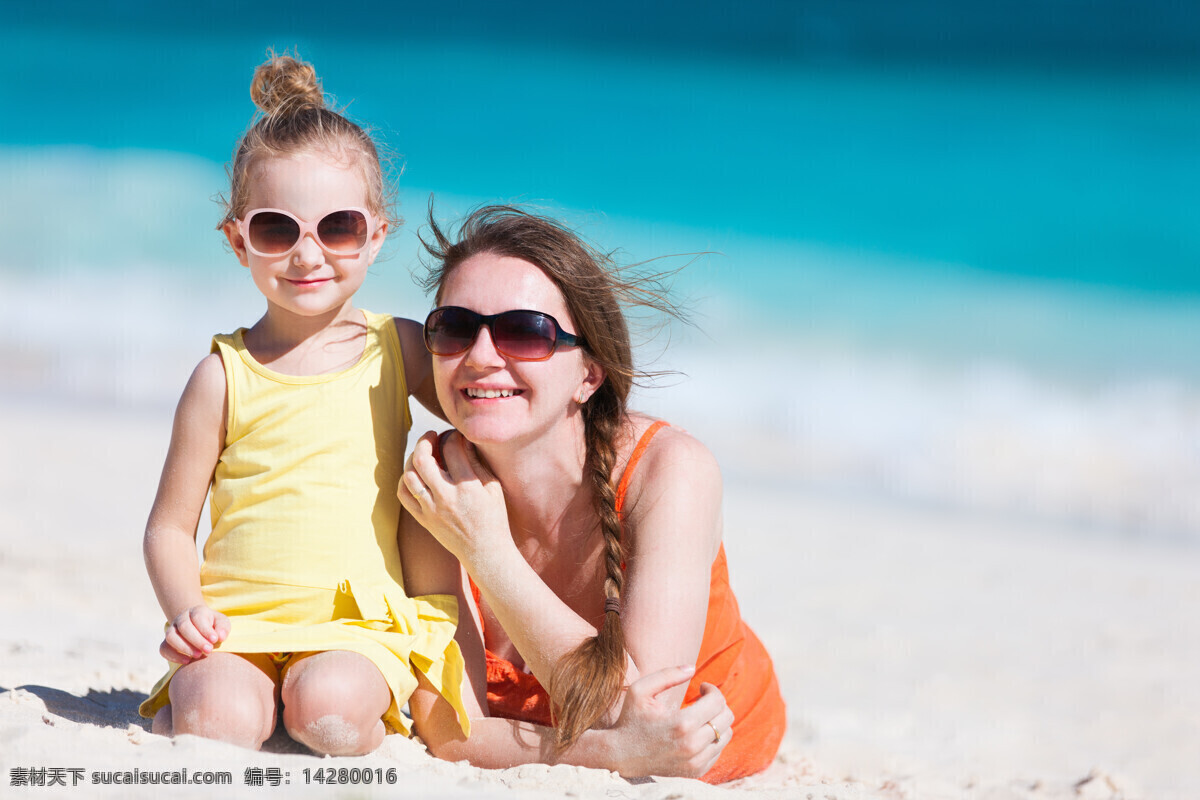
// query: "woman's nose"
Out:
[483,352]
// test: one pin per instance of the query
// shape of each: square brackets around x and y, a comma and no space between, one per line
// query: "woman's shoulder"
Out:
[668,441]
[672,497]
[671,460]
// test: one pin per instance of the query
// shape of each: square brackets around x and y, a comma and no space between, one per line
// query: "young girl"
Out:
[298,424]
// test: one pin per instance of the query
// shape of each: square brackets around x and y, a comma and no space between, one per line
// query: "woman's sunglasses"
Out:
[523,335]
[272,232]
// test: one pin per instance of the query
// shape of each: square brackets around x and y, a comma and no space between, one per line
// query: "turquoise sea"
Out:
[945,259]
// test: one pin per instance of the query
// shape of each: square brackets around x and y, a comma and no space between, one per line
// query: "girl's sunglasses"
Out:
[272,232]
[523,335]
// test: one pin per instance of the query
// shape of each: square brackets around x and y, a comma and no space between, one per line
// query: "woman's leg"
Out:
[223,696]
[333,702]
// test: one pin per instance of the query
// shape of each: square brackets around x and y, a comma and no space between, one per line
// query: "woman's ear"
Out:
[236,242]
[593,379]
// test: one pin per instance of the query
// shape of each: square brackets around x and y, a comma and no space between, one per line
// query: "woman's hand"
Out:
[651,737]
[460,503]
[193,634]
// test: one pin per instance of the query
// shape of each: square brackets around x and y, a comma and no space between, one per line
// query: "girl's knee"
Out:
[334,734]
[161,724]
[334,705]
[217,717]
[222,719]
[328,719]
[225,702]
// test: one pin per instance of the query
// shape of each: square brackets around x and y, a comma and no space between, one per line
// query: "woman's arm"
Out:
[652,736]
[464,508]
[672,533]
[169,545]
[672,529]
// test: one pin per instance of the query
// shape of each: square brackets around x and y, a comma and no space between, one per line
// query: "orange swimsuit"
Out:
[731,658]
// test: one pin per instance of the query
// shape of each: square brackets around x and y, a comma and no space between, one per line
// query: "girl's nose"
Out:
[483,352]
[308,253]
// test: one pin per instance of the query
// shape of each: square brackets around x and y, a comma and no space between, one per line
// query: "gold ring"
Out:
[716,733]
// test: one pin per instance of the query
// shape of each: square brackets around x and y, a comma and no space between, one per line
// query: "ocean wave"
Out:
[1121,455]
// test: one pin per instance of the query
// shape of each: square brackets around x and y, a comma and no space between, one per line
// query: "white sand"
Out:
[923,654]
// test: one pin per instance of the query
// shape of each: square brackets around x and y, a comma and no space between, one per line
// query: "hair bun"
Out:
[283,82]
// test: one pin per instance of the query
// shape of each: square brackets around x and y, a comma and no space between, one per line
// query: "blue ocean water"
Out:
[954,264]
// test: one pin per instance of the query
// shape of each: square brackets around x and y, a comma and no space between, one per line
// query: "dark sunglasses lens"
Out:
[343,231]
[450,331]
[524,334]
[272,233]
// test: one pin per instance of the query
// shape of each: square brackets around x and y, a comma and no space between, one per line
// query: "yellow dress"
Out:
[303,554]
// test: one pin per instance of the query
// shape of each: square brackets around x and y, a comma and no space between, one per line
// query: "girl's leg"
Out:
[333,702]
[161,724]
[223,696]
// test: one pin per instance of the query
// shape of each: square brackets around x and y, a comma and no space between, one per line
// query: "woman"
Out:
[592,535]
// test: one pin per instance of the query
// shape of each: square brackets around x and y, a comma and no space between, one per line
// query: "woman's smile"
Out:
[480,393]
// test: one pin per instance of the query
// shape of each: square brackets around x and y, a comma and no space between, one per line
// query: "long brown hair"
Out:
[292,118]
[587,681]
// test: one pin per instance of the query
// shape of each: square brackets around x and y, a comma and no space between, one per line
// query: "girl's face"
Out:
[309,281]
[531,396]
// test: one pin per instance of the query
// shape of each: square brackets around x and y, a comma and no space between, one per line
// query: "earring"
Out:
[579,398]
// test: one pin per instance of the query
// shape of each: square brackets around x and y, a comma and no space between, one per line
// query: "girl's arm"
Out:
[652,736]
[418,364]
[169,546]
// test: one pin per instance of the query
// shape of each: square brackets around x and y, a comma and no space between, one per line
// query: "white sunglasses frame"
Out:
[306,228]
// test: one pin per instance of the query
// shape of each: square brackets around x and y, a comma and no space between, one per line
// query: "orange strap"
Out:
[636,456]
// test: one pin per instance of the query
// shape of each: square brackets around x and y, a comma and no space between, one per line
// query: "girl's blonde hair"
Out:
[293,118]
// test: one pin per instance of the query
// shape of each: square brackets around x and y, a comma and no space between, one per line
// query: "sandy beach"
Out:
[937,269]
[923,653]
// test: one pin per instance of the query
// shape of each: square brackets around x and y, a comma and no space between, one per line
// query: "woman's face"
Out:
[528,398]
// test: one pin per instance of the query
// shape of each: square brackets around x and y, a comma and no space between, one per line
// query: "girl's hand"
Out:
[653,738]
[193,634]
[455,497]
